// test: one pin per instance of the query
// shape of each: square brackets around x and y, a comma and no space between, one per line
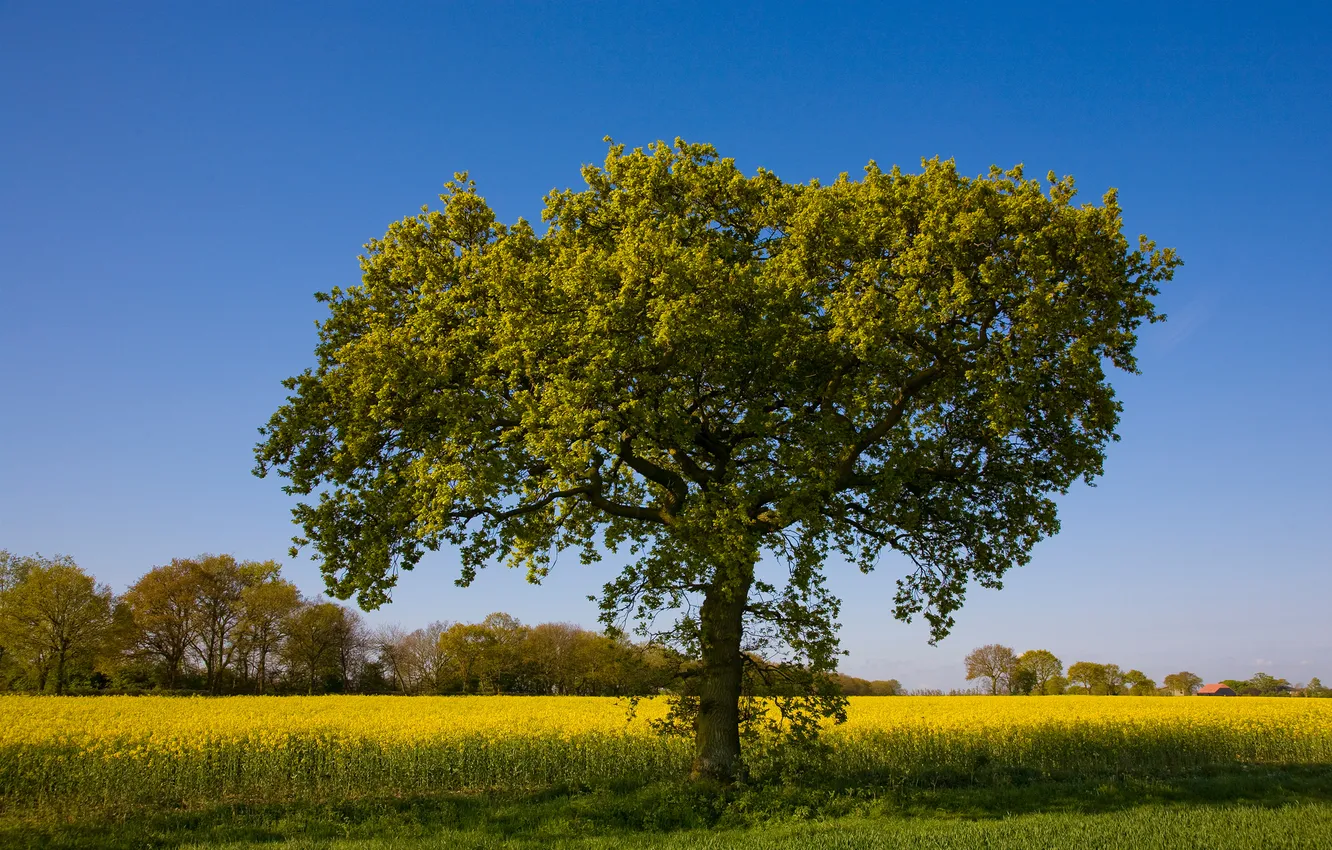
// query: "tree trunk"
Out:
[60,672]
[721,625]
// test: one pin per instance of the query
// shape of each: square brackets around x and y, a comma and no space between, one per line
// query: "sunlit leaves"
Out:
[705,366]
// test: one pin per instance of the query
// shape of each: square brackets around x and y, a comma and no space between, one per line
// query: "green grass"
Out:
[1237,827]
[1234,807]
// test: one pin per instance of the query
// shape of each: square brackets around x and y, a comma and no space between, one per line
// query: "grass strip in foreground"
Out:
[1241,808]
[1297,827]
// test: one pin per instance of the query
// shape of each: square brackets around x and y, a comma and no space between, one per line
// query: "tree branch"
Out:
[676,488]
[847,466]
[596,497]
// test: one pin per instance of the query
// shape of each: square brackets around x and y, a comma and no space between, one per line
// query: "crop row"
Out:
[159,748]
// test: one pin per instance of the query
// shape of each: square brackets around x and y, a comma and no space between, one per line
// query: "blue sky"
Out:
[177,180]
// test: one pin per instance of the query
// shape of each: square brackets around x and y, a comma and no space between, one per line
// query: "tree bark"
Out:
[721,625]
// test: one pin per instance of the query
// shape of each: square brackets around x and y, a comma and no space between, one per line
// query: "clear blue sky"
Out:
[178,179]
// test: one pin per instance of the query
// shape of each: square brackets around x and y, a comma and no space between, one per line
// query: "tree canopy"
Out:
[1184,683]
[994,663]
[1043,666]
[53,616]
[701,367]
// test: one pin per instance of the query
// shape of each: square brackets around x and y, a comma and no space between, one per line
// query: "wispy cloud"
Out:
[1183,321]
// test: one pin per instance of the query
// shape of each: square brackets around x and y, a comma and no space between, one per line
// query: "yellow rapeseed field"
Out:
[139,748]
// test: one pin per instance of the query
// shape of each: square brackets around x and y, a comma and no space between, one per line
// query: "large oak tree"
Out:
[701,367]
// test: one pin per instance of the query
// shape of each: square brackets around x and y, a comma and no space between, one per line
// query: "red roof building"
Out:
[1216,690]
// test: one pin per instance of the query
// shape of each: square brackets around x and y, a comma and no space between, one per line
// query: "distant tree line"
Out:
[1039,672]
[216,625]
[854,687]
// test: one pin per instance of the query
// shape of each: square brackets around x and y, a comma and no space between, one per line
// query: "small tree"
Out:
[220,582]
[853,686]
[391,649]
[1240,686]
[267,606]
[1089,676]
[54,617]
[314,634]
[1267,685]
[12,570]
[462,648]
[993,663]
[500,662]
[1022,682]
[1183,683]
[1114,679]
[556,657]
[165,611]
[1055,685]
[351,647]
[414,661]
[1139,684]
[1042,665]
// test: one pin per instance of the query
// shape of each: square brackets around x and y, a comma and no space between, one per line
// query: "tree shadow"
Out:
[576,812]
[1260,785]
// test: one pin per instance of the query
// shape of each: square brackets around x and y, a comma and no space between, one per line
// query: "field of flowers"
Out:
[128,749]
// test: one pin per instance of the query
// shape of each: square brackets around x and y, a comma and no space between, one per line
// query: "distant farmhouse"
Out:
[1216,690]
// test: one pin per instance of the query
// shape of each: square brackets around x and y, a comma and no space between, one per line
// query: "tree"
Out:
[220,582]
[1043,666]
[1098,679]
[266,606]
[1267,685]
[350,647]
[314,635]
[994,663]
[500,662]
[853,686]
[1088,675]
[886,688]
[562,658]
[164,608]
[54,617]
[461,647]
[389,643]
[708,368]
[1183,683]
[1113,680]
[415,661]
[1022,682]
[13,568]
[1139,684]
[556,657]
